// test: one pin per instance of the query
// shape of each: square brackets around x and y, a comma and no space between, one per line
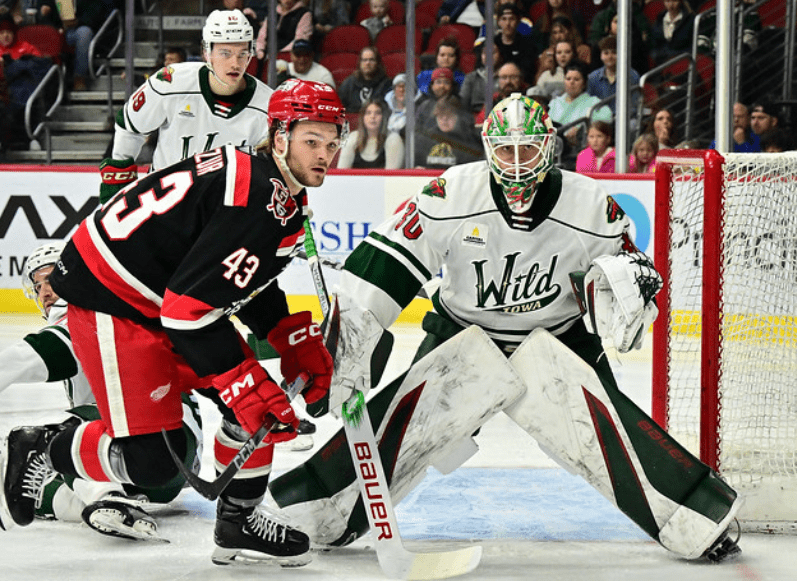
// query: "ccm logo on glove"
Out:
[298,336]
[234,390]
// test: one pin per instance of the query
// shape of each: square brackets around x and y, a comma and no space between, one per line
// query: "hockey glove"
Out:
[251,394]
[619,293]
[116,174]
[301,347]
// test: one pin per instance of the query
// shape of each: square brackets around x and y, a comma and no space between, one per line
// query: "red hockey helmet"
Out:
[298,100]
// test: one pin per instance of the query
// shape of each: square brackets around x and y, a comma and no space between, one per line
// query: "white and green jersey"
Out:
[47,355]
[178,103]
[505,272]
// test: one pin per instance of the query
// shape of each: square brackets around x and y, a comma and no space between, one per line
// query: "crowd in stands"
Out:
[562,53]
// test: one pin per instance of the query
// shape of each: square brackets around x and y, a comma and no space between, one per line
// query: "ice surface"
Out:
[534,520]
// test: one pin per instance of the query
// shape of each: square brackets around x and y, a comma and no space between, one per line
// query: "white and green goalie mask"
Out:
[518,141]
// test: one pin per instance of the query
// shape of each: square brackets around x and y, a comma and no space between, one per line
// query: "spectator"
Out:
[751,26]
[605,24]
[510,80]
[79,30]
[371,145]
[368,81]
[662,125]
[643,154]
[525,26]
[553,9]
[576,103]
[327,14]
[776,141]
[302,65]
[562,28]
[602,82]
[443,86]
[744,139]
[396,100]
[598,156]
[763,117]
[294,21]
[469,12]
[513,46]
[671,34]
[379,17]
[447,55]
[22,67]
[473,87]
[449,138]
[551,82]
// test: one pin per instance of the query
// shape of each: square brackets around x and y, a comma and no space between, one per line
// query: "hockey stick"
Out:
[212,490]
[395,560]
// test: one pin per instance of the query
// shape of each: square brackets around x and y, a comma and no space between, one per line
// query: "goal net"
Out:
[725,342]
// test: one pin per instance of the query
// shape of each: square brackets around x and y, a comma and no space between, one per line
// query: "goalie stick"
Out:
[394,559]
[212,489]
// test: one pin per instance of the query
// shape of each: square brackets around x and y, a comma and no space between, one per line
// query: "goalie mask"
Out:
[518,140]
[45,255]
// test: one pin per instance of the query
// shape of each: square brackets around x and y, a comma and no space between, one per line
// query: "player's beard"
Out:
[305,176]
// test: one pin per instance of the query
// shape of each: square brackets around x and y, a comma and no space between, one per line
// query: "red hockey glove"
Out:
[251,394]
[116,174]
[301,347]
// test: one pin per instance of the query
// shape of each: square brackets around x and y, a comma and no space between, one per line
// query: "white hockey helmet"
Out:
[44,255]
[518,140]
[227,26]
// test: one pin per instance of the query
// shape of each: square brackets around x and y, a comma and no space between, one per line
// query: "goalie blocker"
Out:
[576,413]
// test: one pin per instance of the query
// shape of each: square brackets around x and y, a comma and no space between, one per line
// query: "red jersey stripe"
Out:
[183,308]
[243,179]
[108,277]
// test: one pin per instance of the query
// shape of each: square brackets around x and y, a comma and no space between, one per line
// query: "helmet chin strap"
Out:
[283,162]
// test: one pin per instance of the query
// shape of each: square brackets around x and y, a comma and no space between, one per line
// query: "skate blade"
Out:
[300,443]
[222,556]
[6,520]
[106,523]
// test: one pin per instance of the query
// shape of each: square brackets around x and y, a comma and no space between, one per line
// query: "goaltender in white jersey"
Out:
[525,250]
[194,107]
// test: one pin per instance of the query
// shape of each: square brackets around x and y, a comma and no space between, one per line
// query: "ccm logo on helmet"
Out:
[298,336]
[328,107]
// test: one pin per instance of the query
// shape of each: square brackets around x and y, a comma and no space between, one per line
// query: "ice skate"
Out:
[724,548]
[304,437]
[24,473]
[248,535]
[122,517]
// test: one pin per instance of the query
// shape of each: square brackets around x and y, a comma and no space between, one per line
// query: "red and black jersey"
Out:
[188,246]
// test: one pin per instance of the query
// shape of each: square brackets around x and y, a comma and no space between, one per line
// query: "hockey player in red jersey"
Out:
[152,279]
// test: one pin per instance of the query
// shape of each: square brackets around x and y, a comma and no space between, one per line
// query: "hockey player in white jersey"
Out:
[194,107]
[515,238]
[47,356]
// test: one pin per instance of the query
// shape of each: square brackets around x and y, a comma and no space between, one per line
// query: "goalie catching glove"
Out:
[618,298]
[299,342]
[116,174]
[251,394]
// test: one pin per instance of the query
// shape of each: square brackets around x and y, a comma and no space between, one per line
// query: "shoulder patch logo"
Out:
[166,74]
[435,189]
[282,205]
[613,210]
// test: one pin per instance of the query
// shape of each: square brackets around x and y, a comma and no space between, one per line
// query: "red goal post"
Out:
[725,341]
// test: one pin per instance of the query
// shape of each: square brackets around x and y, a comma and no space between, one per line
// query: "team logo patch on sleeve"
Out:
[165,74]
[613,210]
[436,188]
[282,205]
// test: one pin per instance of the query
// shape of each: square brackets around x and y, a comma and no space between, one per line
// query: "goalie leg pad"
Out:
[601,435]
[422,419]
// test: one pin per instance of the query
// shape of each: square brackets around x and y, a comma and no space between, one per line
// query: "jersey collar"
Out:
[243,98]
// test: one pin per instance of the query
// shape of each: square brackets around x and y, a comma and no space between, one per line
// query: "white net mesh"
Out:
[757,421]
